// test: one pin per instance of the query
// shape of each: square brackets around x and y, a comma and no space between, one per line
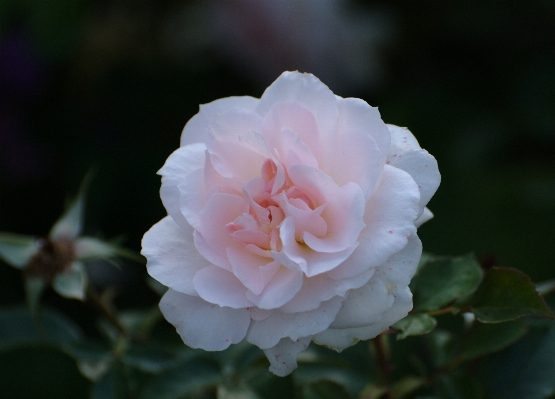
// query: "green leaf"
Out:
[456,385]
[507,294]
[72,284]
[325,390]
[406,386]
[113,385]
[148,358]
[418,324]
[142,321]
[441,346]
[267,385]
[17,249]
[187,378]
[526,369]
[17,328]
[483,339]
[90,248]
[70,224]
[236,392]
[372,391]
[441,281]
[352,380]
[93,359]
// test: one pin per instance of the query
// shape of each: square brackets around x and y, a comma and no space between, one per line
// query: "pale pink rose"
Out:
[292,218]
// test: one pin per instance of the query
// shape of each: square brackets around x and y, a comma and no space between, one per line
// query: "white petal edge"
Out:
[268,332]
[283,356]
[172,257]
[195,130]
[204,325]
[339,339]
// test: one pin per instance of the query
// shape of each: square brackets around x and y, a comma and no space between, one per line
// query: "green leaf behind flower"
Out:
[441,281]
[526,369]
[507,294]
[483,339]
[418,324]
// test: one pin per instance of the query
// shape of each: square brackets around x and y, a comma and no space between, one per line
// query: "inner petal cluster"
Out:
[271,198]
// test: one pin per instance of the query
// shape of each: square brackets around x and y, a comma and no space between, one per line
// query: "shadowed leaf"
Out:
[507,294]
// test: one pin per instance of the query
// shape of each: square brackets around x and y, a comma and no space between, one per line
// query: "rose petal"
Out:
[356,114]
[402,141]
[320,288]
[252,270]
[204,325]
[209,254]
[357,159]
[283,286]
[220,210]
[389,217]
[195,130]
[172,258]
[221,287]
[308,92]
[300,257]
[267,333]
[284,124]
[341,338]
[343,212]
[426,215]
[423,169]
[283,356]
[232,136]
[401,267]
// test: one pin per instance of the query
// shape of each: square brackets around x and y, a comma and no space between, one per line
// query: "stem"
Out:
[441,311]
[93,298]
[383,364]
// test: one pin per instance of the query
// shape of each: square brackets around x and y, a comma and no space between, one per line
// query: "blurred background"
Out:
[109,84]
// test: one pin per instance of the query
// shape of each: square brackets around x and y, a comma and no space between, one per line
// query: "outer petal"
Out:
[320,288]
[307,91]
[423,169]
[268,332]
[356,114]
[221,287]
[341,338]
[172,258]
[401,267]
[283,356]
[402,141]
[194,131]
[204,325]
[357,159]
[181,163]
[426,215]
[389,218]
[405,153]
[233,136]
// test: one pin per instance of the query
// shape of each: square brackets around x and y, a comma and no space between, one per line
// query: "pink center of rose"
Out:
[271,198]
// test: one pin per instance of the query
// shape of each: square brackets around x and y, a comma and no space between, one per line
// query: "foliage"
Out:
[470,335]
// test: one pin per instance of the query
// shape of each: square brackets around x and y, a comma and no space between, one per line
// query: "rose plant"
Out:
[291,218]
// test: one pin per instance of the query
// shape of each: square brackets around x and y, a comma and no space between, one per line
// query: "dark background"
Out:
[109,84]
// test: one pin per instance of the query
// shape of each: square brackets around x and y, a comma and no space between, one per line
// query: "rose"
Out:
[292,218]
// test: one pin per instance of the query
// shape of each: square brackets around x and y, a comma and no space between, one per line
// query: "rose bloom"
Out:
[291,218]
